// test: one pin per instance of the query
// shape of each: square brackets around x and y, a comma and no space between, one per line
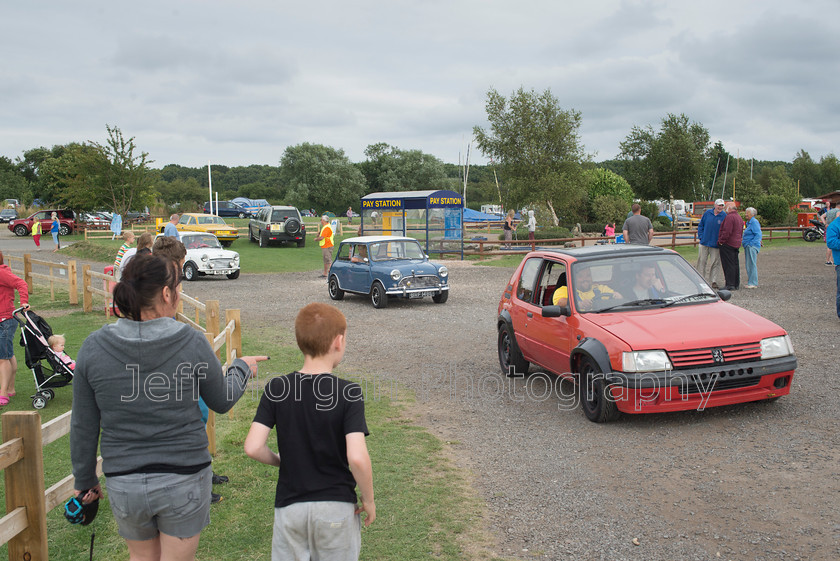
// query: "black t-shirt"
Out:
[312,414]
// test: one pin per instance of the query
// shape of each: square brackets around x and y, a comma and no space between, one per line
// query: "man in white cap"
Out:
[707,233]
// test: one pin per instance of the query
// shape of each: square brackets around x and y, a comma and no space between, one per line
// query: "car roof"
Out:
[282,207]
[371,239]
[595,252]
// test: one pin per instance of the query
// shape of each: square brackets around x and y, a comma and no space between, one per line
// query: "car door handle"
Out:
[530,315]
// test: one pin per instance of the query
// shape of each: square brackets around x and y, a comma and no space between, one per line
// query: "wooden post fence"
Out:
[24,528]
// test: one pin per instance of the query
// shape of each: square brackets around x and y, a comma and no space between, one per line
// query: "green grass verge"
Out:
[424,506]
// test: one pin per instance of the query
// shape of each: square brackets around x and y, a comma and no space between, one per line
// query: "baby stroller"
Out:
[34,332]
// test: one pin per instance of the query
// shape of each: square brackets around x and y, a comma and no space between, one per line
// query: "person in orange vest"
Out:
[325,240]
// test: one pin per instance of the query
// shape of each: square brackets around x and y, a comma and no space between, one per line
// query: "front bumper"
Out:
[423,290]
[698,388]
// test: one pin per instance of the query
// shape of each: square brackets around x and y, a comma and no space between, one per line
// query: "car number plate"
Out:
[420,294]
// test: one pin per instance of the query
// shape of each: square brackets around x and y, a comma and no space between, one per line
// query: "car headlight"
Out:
[232,263]
[443,271]
[396,274]
[775,347]
[645,361]
[236,258]
[204,257]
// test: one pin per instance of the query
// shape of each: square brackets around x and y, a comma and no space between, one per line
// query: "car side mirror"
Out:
[724,294]
[556,311]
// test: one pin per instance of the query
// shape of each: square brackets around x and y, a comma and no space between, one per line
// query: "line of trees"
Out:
[537,160]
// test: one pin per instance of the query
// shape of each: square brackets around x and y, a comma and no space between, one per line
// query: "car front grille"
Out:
[715,355]
[426,281]
[718,381]
[221,263]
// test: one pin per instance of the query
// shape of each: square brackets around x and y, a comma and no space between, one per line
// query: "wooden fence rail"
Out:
[66,274]
[24,528]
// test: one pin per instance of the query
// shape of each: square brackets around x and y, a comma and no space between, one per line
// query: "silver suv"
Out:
[277,224]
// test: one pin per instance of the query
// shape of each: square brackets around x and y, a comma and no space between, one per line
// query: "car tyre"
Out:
[335,291]
[263,239]
[378,297]
[241,215]
[510,359]
[64,230]
[595,399]
[190,272]
[234,275]
[441,298]
[21,230]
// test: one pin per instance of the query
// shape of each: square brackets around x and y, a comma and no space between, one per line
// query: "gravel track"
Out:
[755,481]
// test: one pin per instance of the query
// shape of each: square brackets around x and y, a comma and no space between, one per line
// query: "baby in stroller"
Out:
[56,343]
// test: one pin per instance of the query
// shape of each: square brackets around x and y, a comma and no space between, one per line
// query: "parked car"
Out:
[205,256]
[7,215]
[228,208]
[277,224]
[66,219]
[386,266]
[209,223]
[137,216]
[641,333]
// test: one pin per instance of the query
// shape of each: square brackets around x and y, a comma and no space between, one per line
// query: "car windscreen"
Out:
[626,283]
[210,220]
[200,242]
[403,249]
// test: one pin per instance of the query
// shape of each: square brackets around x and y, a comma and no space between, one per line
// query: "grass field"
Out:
[424,506]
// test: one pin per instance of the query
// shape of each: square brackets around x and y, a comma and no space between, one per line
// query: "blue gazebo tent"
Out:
[433,217]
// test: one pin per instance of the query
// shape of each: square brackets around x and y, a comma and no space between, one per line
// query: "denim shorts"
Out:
[7,338]
[148,504]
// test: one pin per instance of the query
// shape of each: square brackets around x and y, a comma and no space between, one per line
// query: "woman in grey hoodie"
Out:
[136,387]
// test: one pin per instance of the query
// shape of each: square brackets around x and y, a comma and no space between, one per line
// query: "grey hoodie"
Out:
[139,382]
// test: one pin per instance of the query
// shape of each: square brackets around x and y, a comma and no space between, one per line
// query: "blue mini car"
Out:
[383,266]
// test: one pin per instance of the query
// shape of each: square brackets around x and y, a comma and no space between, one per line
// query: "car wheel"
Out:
[292,226]
[190,272]
[378,297]
[64,230]
[233,275]
[335,291]
[263,239]
[810,236]
[510,359]
[21,230]
[595,399]
[441,298]
[241,215]
[251,237]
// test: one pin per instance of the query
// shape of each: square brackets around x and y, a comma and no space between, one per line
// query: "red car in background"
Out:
[639,331]
[66,219]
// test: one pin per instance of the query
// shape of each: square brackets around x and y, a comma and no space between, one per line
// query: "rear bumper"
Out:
[701,388]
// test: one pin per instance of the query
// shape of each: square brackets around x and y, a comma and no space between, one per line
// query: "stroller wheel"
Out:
[39,402]
[49,394]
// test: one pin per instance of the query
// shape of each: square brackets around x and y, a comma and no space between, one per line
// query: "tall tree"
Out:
[321,177]
[388,168]
[806,173]
[671,163]
[536,145]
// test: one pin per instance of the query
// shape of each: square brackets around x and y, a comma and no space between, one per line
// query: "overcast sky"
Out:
[236,82]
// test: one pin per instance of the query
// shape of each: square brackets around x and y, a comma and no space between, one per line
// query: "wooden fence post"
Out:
[27,270]
[210,427]
[87,297]
[73,287]
[211,317]
[236,337]
[25,485]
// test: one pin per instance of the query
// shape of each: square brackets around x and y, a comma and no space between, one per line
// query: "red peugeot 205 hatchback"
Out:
[639,331]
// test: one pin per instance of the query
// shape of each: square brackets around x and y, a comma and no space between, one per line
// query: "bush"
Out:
[773,208]
[541,233]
